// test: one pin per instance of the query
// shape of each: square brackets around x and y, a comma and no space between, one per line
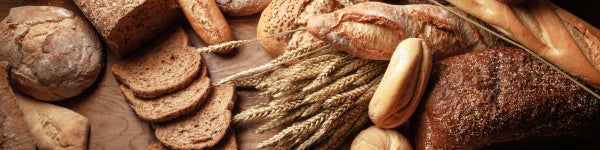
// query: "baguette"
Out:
[207,21]
[558,36]
[371,30]
[14,132]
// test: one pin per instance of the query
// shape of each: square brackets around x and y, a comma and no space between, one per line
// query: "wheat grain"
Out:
[295,130]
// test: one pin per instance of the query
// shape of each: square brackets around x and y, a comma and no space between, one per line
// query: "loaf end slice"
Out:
[204,128]
[14,133]
[160,69]
[172,105]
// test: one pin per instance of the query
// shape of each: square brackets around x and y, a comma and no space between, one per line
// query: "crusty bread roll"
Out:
[374,138]
[55,54]
[372,30]
[14,132]
[242,7]
[207,21]
[55,127]
[402,86]
[126,26]
[551,32]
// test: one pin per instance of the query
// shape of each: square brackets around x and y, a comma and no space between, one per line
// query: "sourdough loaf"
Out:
[167,66]
[203,128]
[14,132]
[126,26]
[497,96]
[55,127]
[172,105]
[242,7]
[208,21]
[55,54]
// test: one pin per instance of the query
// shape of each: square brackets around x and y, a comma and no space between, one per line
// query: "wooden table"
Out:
[113,123]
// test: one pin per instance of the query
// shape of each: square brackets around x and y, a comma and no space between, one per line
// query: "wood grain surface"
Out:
[113,123]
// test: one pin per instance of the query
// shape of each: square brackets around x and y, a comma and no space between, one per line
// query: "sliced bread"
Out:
[201,129]
[14,133]
[229,142]
[172,105]
[160,69]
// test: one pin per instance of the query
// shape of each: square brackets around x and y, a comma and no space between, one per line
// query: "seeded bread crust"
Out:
[172,105]
[161,69]
[14,132]
[204,128]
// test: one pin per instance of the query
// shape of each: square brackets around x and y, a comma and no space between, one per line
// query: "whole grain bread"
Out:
[171,105]
[229,142]
[55,54]
[242,7]
[55,127]
[14,132]
[167,66]
[126,26]
[497,96]
[203,128]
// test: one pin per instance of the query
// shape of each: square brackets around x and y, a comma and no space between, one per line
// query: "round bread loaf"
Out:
[54,53]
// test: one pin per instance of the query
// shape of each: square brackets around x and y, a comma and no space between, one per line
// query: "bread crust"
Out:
[536,25]
[55,54]
[208,21]
[14,132]
[242,7]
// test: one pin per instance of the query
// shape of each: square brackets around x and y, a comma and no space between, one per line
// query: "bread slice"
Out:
[14,133]
[157,146]
[229,142]
[55,127]
[161,69]
[204,128]
[172,105]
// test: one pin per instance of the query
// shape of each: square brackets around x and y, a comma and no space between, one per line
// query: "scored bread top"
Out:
[14,132]
[172,105]
[204,128]
[160,69]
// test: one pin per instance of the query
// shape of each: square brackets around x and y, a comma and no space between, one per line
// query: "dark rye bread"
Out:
[171,105]
[160,69]
[125,26]
[203,128]
[495,97]
[14,132]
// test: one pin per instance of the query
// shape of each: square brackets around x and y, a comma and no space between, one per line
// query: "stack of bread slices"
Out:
[167,83]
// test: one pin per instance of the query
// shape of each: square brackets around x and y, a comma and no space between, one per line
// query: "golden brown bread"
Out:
[402,86]
[208,21]
[14,132]
[372,30]
[374,138]
[551,32]
[55,127]
[242,7]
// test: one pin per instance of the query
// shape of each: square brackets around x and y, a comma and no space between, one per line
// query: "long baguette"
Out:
[372,30]
[563,39]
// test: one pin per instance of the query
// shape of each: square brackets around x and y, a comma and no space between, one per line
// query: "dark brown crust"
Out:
[498,96]
[242,8]
[14,132]
[445,33]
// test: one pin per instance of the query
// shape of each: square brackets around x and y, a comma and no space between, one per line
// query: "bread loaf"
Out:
[208,21]
[374,138]
[403,85]
[14,132]
[372,30]
[203,128]
[55,127]
[126,26]
[558,36]
[55,54]
[164,67]
[172,105]
[242,7]
[496,96]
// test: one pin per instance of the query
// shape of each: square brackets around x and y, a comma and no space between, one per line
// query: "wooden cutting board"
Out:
[113,123]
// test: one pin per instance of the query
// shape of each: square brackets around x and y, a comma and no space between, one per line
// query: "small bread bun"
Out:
[374,138]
